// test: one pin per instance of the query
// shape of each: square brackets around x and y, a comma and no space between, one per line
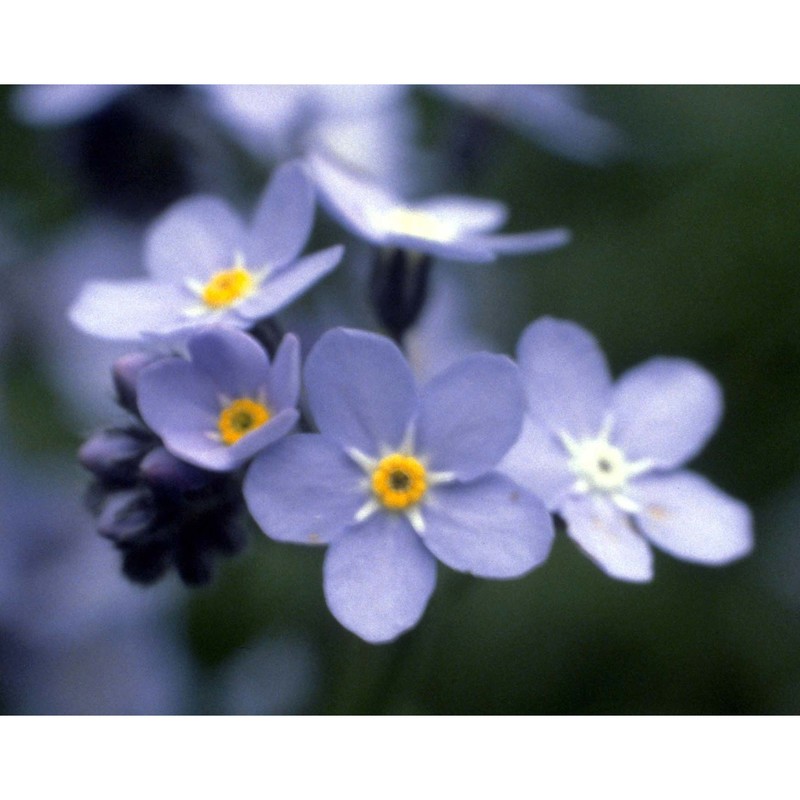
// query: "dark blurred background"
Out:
[683,202]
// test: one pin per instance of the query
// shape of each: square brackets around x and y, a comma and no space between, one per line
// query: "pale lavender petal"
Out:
[283,218]
[539,462]
[284,377]
[356,203]
[62,104]
[236,363]
[125,310]
[174,398]
[520,243]
[193,239]
[457,249]
[360,390]
[468,213]
[378,578]
[288,283]
[304,490]
[665,410]
[566,377]
[606,535]
[490,527]
[470,415]
[690,518]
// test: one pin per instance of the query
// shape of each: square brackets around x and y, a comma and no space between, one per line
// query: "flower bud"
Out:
[163,471]
[125,372]
[113,455]
[126,515]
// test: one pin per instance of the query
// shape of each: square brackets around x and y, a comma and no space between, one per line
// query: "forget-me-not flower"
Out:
[608,457]
[398,478]
[226,402]
[454,227]
[207,266]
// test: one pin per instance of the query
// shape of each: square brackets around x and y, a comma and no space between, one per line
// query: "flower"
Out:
[225,403]
[606,456]
[448,226]
[397,478]
[206,266]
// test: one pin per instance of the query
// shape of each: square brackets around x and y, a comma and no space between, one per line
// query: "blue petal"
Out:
[193,239]
[490,527]
[235,362]
[127,309]
[378,578]
[467,213]
[284,377]
[280,288]
[566,377]
[283,218]
[606,535]
[470,415]
[665,410]
[360,390]
[690,518]
[539,462]
[304,490]
[520,243]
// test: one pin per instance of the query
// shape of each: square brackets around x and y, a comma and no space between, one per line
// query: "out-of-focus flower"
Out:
[226,403]
[207,266]
[553,116]
[397,478]
[370,127]
[75,638]
[449,226]
[606,456]
[62,104]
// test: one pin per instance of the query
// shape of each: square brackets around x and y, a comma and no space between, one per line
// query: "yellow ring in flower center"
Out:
[241,417]
[399,481]
[227,287]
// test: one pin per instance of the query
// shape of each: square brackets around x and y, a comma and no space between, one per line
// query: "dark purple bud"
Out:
[126,515]
[113,455]
[162,470]
[125,372]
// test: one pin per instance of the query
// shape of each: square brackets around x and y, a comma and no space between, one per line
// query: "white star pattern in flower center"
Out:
[225,289]
[600,466]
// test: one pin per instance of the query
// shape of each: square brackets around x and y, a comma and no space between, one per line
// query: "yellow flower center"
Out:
[228,287]
[241,417]
[399,481]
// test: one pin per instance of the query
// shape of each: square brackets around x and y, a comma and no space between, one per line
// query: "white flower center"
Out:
[601,467]
[419,224]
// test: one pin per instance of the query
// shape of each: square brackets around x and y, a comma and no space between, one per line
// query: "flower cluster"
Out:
[333,441]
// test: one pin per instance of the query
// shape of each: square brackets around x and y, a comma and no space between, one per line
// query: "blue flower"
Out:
[226,402]
[206,266]
[397,478]
[448,226]
[607,457]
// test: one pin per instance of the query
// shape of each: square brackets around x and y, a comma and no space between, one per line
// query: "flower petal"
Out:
[283,286]
[303,490]
[193,239]
[606,535]
[539,462]
[490,527]
[467,213]
[283,218]
[284,377]
[360,390]
[235,362]
[378,578]
[520,243]
[690,518]
[126,309]
[665,410]
[470,415]
[566,377]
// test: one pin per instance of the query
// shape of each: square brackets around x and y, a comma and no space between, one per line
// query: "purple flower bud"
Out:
[161,470]
[113,455]
[126,515]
